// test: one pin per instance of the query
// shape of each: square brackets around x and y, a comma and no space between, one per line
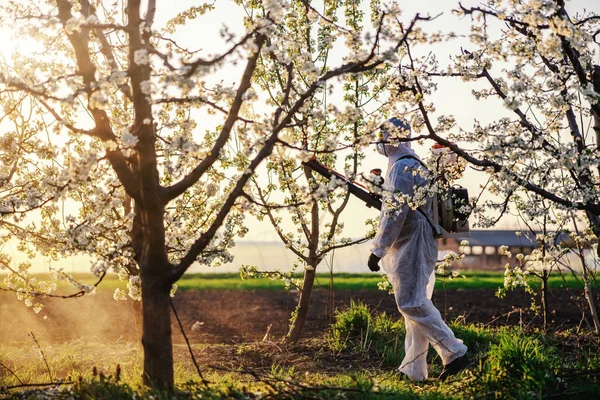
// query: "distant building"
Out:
[484,246]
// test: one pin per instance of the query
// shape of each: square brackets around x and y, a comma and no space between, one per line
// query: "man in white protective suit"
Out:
[408,252]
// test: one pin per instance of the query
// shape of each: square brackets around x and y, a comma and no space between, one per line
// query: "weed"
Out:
[519,366]
[356,330]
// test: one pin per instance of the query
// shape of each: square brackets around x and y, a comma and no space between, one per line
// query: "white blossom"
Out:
[140,57]
[129,140]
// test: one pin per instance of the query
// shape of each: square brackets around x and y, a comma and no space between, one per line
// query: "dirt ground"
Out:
[232,317]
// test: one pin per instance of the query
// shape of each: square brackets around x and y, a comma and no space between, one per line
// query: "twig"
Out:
[204,381]
[12,372]
[25,385]
[507,315]
[42,354]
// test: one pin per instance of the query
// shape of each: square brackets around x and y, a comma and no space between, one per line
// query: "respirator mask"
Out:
[380,145]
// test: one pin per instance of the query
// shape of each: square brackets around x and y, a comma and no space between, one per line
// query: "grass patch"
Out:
[506,362]
[357,330]
[350,362]
[341,281]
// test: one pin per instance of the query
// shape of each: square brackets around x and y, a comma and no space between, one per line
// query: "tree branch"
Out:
[149,20]
[342,245]
[103,130]
[285,240]
[87,9]
[199,99]
[193,66]
[190,179]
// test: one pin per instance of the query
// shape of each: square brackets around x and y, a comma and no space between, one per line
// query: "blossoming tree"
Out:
[541,154]
[151,185]
[336,124]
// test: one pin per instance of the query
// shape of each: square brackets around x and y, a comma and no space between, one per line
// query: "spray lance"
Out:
[355,188]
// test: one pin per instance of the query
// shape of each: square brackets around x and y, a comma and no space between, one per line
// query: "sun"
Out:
[11,44]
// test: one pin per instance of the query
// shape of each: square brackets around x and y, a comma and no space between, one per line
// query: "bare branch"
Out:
[264,204]
[193,66]
[163,57]
[286,242]
[299,215]
[12,372]
[67,125]
[27,385]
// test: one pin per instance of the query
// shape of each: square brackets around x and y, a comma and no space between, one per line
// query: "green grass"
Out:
[506,363]
[344,281]
[341,281]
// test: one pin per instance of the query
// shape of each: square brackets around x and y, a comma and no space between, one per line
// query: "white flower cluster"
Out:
[249,272]
[276,9]
[98,100]
[447,262]
[141,57]
[385,284]
[129,140]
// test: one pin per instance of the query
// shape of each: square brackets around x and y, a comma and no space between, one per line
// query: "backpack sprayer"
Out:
[451,206]
[450,212]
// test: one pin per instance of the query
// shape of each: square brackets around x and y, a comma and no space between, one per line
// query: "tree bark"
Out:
[156,337]
[303,303]
[138,320]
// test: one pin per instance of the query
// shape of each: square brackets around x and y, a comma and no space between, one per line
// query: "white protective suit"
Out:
[408,250]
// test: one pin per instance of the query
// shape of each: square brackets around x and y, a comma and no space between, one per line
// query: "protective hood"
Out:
[388,144]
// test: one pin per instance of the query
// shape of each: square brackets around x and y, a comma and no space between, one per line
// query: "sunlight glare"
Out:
[11,46]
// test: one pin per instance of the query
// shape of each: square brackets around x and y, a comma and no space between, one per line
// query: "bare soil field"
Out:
[245,316]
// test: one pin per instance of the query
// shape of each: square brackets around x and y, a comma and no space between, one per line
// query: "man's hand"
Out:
[373,262]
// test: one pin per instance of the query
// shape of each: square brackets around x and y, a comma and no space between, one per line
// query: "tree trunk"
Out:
[156,338]
[303,303]
[136,307]
[545,298]
[589,296]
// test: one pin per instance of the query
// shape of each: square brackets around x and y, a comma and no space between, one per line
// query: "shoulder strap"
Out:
[435,227]
[413,157]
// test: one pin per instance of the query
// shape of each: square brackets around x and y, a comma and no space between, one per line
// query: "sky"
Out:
[452,94]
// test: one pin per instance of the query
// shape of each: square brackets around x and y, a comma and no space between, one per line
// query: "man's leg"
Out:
[413,297]
[416,345]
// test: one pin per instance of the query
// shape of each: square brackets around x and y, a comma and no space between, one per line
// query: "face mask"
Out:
[380,147]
